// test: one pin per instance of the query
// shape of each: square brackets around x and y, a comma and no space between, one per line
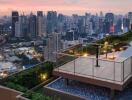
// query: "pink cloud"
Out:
[66,6]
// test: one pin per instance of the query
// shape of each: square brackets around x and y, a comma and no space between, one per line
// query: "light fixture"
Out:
[85,55]
[43,76]
[121,49]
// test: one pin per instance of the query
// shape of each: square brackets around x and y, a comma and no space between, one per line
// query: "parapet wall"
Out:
[8,94]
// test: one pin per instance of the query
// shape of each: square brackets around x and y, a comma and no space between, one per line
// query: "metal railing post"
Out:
[114,70]
[131,65]
[57,61]
[93,67]
[123,70]
[74,67]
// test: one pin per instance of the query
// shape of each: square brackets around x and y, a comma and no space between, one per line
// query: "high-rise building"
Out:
[15,18]
[32,26]
[41,24]
[18,29]
[130,18]
[119,25]
[51,22]
[109,22]
[60,24]
[1,28]
[21,27]
[40,13]
[126,24]
[101,14]
[53,44]
[88,24]
[95,24]
[81,25]
[101,26]
[24,26]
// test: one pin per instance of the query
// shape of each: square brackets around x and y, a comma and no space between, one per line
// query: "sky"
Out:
[67,7]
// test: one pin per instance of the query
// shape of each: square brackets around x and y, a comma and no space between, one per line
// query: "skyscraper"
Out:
[18,29]
[119,25]
[53,44]
[24,26]
[126,23]
[32,26]
[41,24]
[51,21]
[60,24]
[1,28]
[88,24]
[21,27]
[130,18]
[109,21]
[15,18]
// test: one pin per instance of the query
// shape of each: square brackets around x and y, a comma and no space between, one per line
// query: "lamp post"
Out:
[97,54]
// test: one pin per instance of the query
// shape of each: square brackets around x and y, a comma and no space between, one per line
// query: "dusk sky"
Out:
[66,6]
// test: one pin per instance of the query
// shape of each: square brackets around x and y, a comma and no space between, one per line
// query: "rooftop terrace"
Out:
[114,73]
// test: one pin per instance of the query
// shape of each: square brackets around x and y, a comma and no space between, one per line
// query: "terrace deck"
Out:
[111,74]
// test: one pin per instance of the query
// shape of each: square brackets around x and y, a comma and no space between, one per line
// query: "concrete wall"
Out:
[58,95]
[8,94]
[21,98]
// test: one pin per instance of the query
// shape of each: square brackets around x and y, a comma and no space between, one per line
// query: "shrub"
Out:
[36,96]
[16,86]
[31,77]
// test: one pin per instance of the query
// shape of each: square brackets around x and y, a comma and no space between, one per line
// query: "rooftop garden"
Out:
[26,80]
[116,42]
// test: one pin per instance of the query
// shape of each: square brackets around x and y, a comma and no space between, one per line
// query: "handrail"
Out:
[124,74]
[92,57]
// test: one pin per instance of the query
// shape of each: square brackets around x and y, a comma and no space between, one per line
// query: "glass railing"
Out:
[86,66]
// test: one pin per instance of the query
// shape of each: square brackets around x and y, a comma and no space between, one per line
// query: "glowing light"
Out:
[43,76]
[121,49]
[85,55]
[71,51]
[106,43]
[107,34]
[3,74]
[104,51]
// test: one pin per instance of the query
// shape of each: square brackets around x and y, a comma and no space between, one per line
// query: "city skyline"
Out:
[67,7]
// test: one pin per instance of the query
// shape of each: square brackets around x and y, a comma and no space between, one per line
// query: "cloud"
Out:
[70,6]
[72,1]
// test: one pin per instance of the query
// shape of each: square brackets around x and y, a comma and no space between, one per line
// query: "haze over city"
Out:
[65,50]
[67,7]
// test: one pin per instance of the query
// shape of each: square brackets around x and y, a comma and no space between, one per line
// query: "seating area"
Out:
[88,91]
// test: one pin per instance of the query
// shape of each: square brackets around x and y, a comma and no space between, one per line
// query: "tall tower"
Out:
[53,44]
[51,21]
[18,29]
[109,21]
[41,24]
[1,28]
[32,26]
[130,18]
[15,18]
